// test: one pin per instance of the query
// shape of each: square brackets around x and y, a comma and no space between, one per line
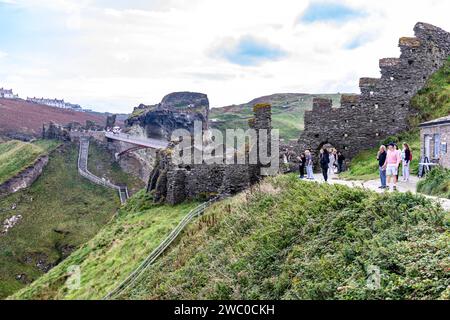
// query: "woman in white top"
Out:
[331,164]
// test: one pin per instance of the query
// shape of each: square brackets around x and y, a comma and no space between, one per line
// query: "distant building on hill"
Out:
[435,138]
[8,94]
[56,103]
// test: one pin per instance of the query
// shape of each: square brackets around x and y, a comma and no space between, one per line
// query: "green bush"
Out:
[289,239]
[436,183]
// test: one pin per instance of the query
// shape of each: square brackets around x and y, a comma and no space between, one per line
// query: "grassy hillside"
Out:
[60,212]
[437,183]
[116,250]
[15,156]
[286,239]
[287,113]
[102,164]
[432,102]
[291,240]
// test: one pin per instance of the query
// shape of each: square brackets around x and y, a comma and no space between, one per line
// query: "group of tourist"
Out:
[389,159]
[331,162]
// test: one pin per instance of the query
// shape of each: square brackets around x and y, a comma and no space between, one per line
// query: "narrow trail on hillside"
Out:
[84,172]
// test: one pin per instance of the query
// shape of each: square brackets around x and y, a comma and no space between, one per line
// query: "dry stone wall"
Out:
[174,184]
[383,108]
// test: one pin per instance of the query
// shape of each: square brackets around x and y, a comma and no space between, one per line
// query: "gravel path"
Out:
[373,185]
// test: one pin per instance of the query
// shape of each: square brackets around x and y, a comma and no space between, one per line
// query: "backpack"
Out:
[410,155]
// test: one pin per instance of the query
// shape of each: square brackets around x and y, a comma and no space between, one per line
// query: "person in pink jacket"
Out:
[393,160]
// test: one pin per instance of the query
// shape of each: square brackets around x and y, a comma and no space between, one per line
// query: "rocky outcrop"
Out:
[24,179]
[176,111]
[174,183]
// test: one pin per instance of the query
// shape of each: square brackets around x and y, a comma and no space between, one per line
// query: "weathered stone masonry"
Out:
[383,107]
[174,184]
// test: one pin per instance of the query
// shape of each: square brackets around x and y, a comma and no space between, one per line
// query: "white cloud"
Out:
[127,54]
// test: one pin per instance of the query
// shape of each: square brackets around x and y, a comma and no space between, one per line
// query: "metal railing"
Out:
[131,279]
[84,172]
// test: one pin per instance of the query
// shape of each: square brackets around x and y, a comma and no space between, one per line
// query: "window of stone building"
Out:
[372,93]
[410,62]
[371,121]
[392,78]
[377,134]
[346,135]
[376,106]
[353,106]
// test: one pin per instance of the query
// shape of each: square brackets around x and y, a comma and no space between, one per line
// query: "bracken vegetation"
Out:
[436,183]
[284,239]
[289,239]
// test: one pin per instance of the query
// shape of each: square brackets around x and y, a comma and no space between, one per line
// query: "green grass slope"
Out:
[432,102]
[436,183]
[113,254]
[15,156]
[288,112]
[292,239]
[60,212]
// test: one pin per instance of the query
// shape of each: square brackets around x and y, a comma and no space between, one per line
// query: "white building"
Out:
[48,102]
[8,94]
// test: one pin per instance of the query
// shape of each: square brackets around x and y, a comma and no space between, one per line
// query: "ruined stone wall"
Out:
[174,184]
[383,107]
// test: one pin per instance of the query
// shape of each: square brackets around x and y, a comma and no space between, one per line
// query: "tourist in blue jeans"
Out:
[309,165]
[381,157]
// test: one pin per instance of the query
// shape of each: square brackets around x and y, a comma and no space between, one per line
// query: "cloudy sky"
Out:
[112,55]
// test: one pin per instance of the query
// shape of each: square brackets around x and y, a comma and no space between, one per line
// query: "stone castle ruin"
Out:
[383,108]
[176,183]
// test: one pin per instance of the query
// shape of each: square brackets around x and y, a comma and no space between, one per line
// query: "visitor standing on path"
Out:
[340,162]
[393,160]
[407,158]
[331,164]
[309,165]
[381,157]
[325,162]
[302,165]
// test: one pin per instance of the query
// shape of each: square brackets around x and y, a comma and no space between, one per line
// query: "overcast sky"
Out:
[112,55]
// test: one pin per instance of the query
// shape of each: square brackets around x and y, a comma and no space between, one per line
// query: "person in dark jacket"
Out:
[302,165]
[406,158]
[324,162]
[381,157]
[340,161]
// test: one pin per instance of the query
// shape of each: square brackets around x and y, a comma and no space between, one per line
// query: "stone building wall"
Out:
[444,132]
[383,107]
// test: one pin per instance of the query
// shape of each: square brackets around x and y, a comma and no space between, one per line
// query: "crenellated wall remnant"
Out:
[383,108]
[176,183]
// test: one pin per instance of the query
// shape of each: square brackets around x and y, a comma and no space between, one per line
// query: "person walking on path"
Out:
[393,160]
[332,163]
[325,163]
[340,162]
[407,158]
[400,155]
[381,157]
[309,165]
[302,165]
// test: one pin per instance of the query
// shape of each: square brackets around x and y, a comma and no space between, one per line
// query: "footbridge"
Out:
[84,172]
[138,143]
